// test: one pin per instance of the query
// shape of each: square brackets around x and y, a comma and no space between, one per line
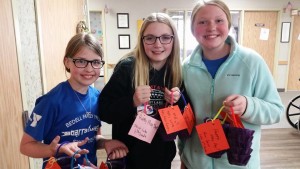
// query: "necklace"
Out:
[82,103]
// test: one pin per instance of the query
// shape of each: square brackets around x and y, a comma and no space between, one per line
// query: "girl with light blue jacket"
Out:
[221,72]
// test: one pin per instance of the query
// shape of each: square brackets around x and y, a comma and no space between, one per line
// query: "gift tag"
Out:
[144,127]
[52,164]
[103,166]
[212,137]
[172,119]
[189,118]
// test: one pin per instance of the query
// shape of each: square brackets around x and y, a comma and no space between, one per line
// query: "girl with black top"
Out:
[151,74]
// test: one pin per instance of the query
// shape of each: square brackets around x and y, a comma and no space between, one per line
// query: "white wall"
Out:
[29,58]
[139,9]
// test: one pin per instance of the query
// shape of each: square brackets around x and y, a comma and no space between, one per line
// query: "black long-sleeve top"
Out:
[116,107]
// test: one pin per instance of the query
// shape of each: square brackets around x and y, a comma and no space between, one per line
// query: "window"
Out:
[186,38]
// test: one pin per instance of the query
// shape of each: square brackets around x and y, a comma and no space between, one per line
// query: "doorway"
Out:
[294,62]
[259,33]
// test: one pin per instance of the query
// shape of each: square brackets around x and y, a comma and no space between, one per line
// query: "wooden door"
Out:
[254,22]
[57,24]
[294,63]
[11,127]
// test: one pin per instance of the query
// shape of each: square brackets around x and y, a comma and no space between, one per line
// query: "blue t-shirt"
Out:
[213,65]
[61,112]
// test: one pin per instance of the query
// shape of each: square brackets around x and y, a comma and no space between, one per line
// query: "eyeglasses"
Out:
[81,63]
[164,39]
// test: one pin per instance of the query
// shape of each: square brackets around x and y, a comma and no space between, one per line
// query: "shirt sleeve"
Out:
[41,119]
[116,98]
[264,106]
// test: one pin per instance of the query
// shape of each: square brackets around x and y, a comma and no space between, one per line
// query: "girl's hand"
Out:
[115,148]
[141,95]
[237,102]
[69,148]
[176,95]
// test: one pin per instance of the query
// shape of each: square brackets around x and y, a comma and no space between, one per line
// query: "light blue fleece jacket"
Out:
[244,73]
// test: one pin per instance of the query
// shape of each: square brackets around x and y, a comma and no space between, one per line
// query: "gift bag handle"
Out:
[61,144]
[217,115]
[184,100]
[232,115]
[181,96]
[111,154]
[73,158]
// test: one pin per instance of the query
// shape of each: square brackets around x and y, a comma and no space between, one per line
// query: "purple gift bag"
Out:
[240,142]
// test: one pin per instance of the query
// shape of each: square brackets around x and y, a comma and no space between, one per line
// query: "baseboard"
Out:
[280,89]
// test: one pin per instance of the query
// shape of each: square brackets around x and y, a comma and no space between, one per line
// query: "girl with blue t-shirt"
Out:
[65,120]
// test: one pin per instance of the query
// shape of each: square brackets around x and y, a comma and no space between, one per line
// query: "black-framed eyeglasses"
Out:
[82,63]
[164,39]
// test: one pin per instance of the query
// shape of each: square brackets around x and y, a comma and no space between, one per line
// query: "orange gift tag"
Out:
[172,119]
[212,137]
[103,166]
[52,164]
[189,118]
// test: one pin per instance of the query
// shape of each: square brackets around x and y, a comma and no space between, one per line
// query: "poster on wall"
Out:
[96,25]
[124,41]
[285,32]
[139,25]
[123,20]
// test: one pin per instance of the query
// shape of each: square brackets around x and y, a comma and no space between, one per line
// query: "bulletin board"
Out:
[139,25]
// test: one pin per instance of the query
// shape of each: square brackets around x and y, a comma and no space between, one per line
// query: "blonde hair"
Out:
[217,3]
[142,65]
[82,40]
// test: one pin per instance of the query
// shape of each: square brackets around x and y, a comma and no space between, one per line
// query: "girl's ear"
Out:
[67,63]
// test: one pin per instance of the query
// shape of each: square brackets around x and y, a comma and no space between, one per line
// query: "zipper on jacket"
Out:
[212,91]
